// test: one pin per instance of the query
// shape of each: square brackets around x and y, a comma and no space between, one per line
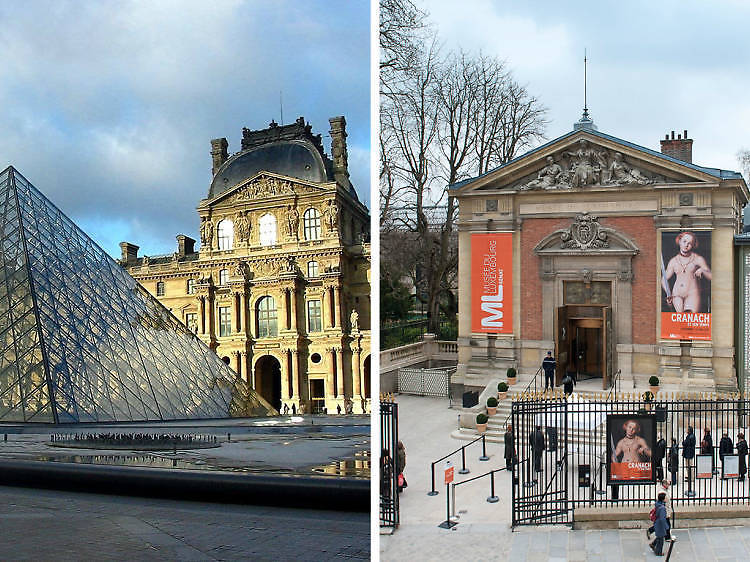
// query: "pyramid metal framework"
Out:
[82,341]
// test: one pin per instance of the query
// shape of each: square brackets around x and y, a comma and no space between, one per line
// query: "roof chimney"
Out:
[680,148]
[219,154]
[185,245]
[338,150]
[129,253]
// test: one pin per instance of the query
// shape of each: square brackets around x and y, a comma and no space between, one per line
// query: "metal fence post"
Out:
[493,498]
[433,492]
[463,470]
[484,456]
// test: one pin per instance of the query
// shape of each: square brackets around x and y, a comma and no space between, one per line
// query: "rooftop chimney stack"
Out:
[338,150]
[219,154]
[129,253]
[185,245]
[680,148]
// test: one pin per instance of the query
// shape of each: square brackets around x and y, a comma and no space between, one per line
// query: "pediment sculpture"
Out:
[585,165]
[584,233]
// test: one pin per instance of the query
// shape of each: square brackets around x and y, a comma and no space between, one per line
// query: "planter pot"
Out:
[491,411]
[654,389]
[511,381]
[481,427]
[502,395]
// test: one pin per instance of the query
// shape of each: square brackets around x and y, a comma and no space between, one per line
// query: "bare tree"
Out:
[443,119]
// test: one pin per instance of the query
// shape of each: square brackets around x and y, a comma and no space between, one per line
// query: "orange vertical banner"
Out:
[492,283]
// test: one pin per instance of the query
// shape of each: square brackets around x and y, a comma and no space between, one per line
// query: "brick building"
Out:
[612,255]
[280,287]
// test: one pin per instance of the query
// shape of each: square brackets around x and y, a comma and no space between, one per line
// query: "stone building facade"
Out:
[611,255]
[280,287]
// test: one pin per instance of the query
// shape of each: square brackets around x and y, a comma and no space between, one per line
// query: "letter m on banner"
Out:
[492,283]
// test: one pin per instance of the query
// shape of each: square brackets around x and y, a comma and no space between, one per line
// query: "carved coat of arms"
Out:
[584,233]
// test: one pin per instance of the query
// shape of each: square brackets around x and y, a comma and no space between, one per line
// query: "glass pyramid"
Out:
[82,341]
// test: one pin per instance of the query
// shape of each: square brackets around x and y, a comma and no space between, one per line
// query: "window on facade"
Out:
[225,321]
[312,224]
[312,268]
[225,232]
[267,317]
[191,321]
[314,316]
[267,227]
[223,276]
[160,289]
[191,286]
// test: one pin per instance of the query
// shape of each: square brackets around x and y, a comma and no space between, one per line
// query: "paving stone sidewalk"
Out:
[53,525]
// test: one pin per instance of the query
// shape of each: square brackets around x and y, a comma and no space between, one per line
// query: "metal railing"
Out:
[526,390]
[463,470]
[616,385]
[492,498]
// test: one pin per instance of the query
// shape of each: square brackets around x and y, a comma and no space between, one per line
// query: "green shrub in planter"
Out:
[653,380]
[502,387]
[482,418]
[510,373]
[492,402]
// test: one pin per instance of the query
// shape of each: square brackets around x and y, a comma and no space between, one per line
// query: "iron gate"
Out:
[573,464]
[389,514]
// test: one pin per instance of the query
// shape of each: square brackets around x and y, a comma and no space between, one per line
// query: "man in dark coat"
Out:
[537,447]
[549,365]
[742,452]
[660,451]
[726,447]
[673,459]
[688,452]
[510,448]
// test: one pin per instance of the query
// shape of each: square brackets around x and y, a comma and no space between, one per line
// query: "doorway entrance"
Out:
[317,396]
[268,380]
[584,341]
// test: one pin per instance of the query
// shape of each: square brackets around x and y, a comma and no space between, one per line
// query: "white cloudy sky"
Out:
[108,107]
[653,66]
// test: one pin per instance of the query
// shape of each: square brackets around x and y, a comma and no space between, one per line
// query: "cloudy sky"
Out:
[108,107]
[653,67]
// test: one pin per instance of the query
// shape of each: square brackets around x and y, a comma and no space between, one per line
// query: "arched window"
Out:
[267,317]
[223,276]
[225,231]
[312,268]
[160,289]
[267,226]
[312,224]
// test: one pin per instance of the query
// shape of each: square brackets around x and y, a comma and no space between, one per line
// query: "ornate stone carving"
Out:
[207,232]
[292,222]
[586,165]
[241,227]
[266,268]
[291,265]
[584,233]
[587,276]
[331,215]
[240,269]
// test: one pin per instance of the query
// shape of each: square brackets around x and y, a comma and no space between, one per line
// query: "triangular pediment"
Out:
[266,186]
[583,160]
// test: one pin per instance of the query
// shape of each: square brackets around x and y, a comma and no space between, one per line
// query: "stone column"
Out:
[330,379]
[246,366]
[293,303]
[339,373]
[238,363]
[357,380]
[251,317]
[284,378]
[212,321]
[202,306]
[295,377]
[238,312]
[282,310]
[325,303]
[338,306]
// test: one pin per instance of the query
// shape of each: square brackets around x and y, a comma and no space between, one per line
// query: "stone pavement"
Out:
[53,525]
[483,530]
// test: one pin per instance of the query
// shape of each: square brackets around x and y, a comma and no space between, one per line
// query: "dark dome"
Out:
[295,158]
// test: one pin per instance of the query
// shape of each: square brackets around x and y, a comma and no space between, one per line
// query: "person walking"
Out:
[537,447]
[510,448]
[549,365]
[742,452]
[707,445]
[673,459]
[660,451]
[661,525]
[400,465]
[662,487]
[688,452]
[568,384]
[726,447]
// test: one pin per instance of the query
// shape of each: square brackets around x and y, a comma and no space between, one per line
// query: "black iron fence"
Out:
[389,511]
[566,453]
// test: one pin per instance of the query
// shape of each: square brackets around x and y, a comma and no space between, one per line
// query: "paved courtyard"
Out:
[483,530]
[54,525]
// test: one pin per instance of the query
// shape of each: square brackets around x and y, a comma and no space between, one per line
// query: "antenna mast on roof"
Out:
[585,121]
[585,102]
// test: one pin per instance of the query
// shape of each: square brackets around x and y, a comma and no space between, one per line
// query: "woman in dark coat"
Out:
[510,448]
[725,448]
[400,465]
[661,525]
[673,459]
[742,452]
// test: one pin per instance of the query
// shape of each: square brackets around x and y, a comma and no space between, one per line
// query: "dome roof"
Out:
[297,158]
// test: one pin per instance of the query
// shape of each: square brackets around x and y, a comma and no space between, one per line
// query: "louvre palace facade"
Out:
[280,285]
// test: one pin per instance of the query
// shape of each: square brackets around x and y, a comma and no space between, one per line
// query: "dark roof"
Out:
[716,172]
